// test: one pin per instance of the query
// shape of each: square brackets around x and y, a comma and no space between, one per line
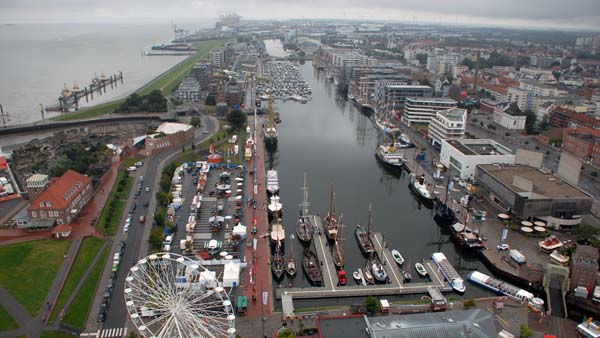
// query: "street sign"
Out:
[504,233]
[265,297]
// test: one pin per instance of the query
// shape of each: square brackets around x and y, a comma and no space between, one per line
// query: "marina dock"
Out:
[331,289]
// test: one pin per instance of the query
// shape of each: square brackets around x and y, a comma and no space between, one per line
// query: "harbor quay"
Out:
[331,288]
[490,229]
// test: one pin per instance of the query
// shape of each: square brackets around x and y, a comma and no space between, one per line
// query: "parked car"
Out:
[126,228]
[142,219]
[147,189]
[101,316]
[146,204]
[503,246]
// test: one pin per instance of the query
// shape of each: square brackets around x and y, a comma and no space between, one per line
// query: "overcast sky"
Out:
[577,14]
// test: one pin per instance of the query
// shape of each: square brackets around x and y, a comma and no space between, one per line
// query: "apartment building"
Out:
[394,93]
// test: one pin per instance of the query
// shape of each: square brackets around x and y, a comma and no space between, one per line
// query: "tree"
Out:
[236,119]
[530,123]
[425,82]
[525,332]
[286,333]
[195,122]
[156,237]
[545,123]
[372,304]
[469,303]
[556,75]
[586,232]
[210,100]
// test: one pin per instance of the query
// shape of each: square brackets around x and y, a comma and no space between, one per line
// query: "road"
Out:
[515,140]
[136,238]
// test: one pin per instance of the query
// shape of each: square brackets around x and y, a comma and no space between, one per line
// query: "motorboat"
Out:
[290,266]
[341,275]
[406,276]
[421,269]
[357,275]
[397,257]
[379,272]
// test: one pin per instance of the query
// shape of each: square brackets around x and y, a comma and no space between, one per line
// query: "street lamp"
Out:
[2,114]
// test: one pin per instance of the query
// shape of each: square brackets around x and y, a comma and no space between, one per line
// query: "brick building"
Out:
[559,117]
[583,143]
[63,199]
[584,267]
[167,135]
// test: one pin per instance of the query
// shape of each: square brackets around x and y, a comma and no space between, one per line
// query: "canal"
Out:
[334,143]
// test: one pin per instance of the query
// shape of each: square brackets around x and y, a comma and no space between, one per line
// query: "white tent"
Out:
[239,230]
[231,274]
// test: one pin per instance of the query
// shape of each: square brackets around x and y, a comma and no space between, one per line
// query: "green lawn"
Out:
[129,162]
[111,213]
[88,250]
[79,309]
[6,321]
[55,334]
[166,83]
[28,270]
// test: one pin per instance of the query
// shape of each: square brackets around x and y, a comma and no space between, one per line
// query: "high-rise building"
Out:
[217,58]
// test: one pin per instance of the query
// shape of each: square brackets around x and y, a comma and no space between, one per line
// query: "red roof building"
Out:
[63,199]
[583,143]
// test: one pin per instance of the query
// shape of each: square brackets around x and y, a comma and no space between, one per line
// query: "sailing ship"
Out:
[275,207]
[443,213]
[278,266]
[330,222]
[277,234]
[338,254]
[386,125]
[270,130]
[303,226]
[379,272]
[311,267]
[290,262]
[363,237]
[367,274]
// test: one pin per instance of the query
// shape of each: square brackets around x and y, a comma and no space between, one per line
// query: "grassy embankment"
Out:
[166,83]
[78,311]
[29,268]
[111,213]
[6,321]
[88,250]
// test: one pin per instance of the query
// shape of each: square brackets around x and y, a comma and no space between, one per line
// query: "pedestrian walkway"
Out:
[59,280]
[106,333]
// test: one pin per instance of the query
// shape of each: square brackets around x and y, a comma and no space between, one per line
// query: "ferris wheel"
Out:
[168,295]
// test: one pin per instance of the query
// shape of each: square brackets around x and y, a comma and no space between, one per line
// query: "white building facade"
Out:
[461,157]
[447,125]
[509,116]
[421,110]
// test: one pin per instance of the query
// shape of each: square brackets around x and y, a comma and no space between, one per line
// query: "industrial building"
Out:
[461,157]
[529,192]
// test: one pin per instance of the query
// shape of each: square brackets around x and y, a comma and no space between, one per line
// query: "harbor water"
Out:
[38,59]
[334,143]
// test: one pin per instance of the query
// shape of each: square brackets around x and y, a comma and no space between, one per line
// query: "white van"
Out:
[132,168]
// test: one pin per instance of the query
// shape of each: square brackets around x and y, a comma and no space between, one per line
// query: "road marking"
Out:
[109,333]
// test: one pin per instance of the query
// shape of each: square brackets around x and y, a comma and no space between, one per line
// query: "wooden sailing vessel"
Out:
[330,222]
[363,237]
[338,253]
[304,229]
[311,267]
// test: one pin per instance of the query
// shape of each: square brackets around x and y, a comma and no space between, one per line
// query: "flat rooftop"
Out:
[479,147]
[454,114]
[350,327]
[544,184]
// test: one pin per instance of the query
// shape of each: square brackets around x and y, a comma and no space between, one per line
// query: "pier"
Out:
[71,98]
[331,289]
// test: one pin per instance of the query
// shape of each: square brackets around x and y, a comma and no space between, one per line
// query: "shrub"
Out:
[372,304]
[594,174]
[468,303]
[525,332]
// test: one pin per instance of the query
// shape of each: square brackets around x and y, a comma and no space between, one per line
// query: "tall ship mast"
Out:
[330,222]
[304,228]
[270,130]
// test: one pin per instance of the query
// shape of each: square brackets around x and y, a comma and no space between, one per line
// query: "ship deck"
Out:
[331,289]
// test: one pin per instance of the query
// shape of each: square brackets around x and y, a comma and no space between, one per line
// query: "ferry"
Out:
[503,288]
[448,271]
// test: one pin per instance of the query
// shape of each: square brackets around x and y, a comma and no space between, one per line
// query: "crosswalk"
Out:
[107,333]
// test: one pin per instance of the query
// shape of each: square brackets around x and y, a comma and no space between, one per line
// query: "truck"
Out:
[517,256]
